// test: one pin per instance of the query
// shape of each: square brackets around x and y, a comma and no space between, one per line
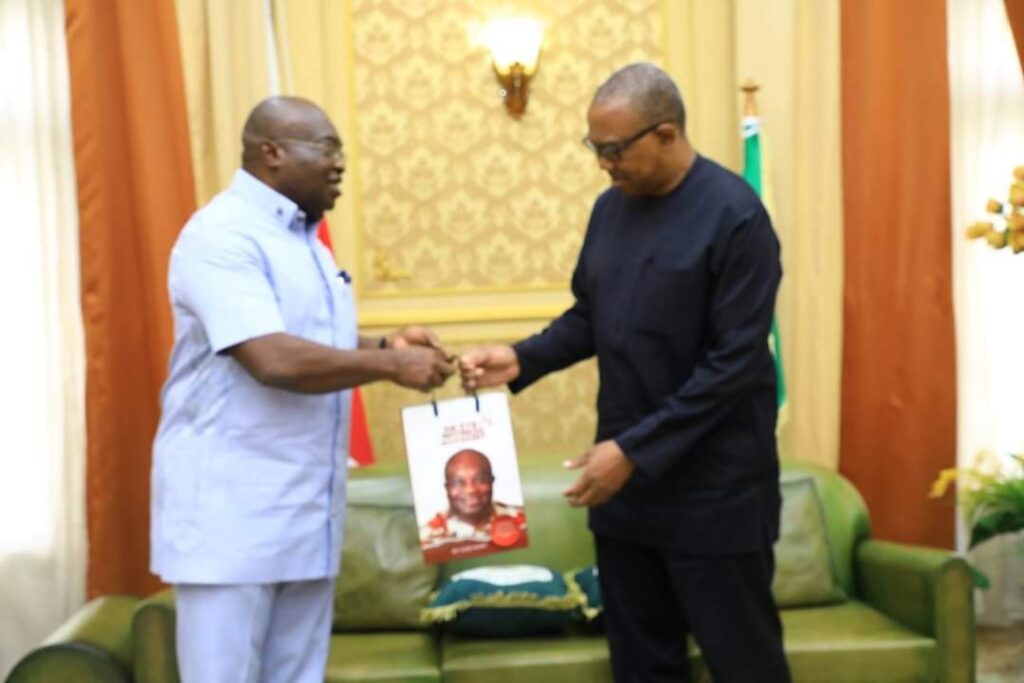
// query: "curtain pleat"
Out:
[898,426]
[1015,13]
[316,62]
[42,403]
[700,44]
[799,104]
[226,71]
[135,191]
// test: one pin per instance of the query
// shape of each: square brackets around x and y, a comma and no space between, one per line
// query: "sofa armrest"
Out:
[153,628]
[94,645]
[930,591]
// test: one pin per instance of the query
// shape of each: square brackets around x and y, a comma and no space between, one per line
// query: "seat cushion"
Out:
[409,657]
[525,660]
[852,642]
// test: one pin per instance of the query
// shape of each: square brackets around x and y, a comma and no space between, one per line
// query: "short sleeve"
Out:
[219,276]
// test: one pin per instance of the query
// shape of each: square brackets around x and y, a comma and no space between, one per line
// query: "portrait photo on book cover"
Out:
[465,478]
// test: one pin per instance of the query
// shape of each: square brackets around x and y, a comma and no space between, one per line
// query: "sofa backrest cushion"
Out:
[804,569]
[846,516]
[384,582]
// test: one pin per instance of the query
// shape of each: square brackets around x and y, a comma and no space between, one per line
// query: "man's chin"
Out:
[623,186]
[321,209]
[474,514]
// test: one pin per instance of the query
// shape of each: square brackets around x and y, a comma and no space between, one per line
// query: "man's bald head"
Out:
[277,117]
[650,92]
[470,457]
[289,144]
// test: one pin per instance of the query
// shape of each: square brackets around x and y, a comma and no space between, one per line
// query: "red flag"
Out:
[323,233]
[360,447]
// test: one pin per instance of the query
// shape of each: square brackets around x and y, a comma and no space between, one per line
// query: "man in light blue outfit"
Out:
[249,463]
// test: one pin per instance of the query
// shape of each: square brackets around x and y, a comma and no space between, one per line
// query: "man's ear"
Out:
[271,153]
[667,133]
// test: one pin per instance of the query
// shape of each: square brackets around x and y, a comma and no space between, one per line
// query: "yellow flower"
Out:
[1012,211]
[996,239]
[1017,241]
[941,485]
[990,494]
[1017,194]
[976,230]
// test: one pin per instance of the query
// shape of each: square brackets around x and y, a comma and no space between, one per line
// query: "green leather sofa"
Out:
[94,645]
[907,615]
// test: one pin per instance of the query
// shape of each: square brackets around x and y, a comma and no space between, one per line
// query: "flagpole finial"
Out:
[750,89]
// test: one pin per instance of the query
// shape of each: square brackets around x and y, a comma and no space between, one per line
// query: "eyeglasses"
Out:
[329,148]
[612,151]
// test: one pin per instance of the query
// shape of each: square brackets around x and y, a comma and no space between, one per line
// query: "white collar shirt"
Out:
[248,482]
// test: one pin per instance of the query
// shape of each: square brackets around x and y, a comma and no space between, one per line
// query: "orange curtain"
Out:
[1015,13]
[898,414]
[134,193]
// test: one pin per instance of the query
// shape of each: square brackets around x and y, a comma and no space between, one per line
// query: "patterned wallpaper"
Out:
[458,198]
[456,195]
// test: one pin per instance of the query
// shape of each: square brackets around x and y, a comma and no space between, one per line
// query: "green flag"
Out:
[753,173]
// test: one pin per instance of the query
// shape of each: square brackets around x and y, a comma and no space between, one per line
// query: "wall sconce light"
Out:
[514,44]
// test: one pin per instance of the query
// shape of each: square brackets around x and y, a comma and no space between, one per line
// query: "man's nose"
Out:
[604,163]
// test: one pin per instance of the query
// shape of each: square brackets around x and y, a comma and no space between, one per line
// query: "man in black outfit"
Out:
[674,293]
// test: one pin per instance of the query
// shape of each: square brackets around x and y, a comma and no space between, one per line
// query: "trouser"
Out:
[254,633]
[653,598]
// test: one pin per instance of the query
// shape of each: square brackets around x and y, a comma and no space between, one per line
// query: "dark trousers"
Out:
[654,598]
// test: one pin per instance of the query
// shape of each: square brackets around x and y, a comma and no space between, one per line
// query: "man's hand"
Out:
[605,470]
[422,368]
[488,366]
[413,335]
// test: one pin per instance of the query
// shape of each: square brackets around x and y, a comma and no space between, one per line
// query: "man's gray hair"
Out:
[651,93]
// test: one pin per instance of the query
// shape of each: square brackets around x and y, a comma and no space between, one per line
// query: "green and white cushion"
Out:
[584,583]
[503,600]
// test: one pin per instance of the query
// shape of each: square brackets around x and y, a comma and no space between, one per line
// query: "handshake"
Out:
[604,468]
[424,364]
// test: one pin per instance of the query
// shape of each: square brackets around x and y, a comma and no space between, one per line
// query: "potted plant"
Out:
[991,495]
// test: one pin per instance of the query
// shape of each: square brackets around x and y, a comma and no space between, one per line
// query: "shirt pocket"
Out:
[669,300]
